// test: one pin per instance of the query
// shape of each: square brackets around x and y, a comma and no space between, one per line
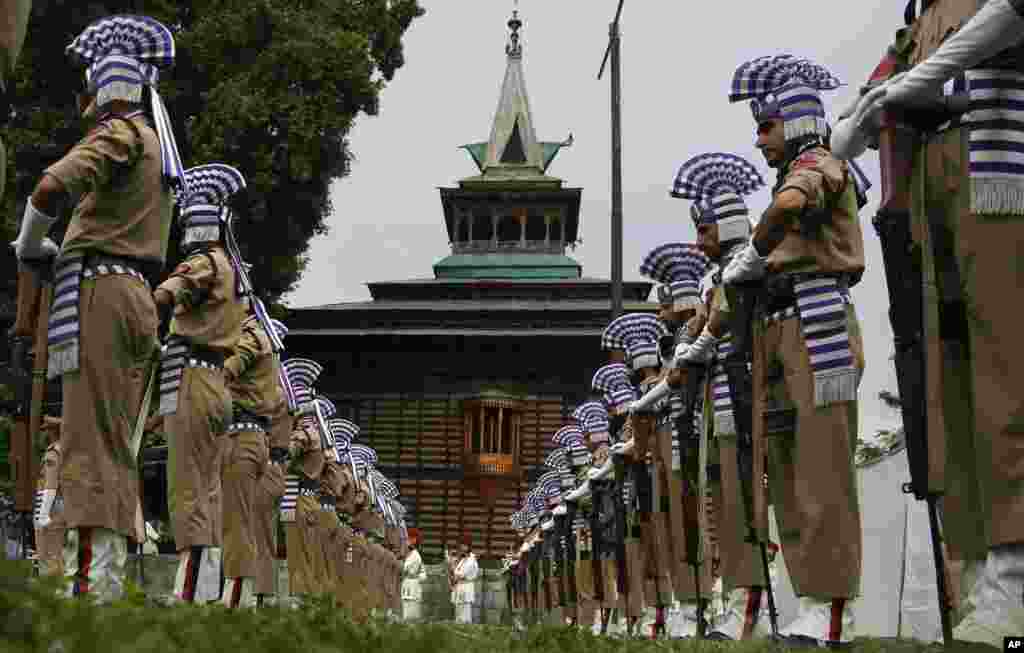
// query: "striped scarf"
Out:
[172,366]
[290,498]
[721,398]
[996,122]
[64,326]
[821,304]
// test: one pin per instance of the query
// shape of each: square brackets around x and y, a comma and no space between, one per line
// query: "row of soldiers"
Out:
[237,419]
[764,362]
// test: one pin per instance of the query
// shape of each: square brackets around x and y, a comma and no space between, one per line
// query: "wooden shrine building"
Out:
[460,380]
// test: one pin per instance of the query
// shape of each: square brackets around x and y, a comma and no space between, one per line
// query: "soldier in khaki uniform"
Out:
[965,201]
[123,172]
[330,528]
[592,417]
[716,183]
[809,250]
[680,268]
[49,524]
[307,566]
[579,457]
[252,377]
[206,326]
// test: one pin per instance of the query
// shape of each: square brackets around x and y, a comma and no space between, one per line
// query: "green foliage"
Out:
[33,619]
[272,87]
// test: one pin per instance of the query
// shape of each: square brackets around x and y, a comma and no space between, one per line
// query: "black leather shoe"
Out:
[718,636]
[803,641]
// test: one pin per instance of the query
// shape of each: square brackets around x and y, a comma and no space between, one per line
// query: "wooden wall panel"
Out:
[416,433]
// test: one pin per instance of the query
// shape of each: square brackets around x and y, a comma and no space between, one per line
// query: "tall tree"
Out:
[270,86]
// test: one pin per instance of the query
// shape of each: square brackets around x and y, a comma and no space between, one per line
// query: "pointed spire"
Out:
[513,140]
[513,48]
[513,151]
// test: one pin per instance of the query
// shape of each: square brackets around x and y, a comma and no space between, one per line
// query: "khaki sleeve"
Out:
[95,160]
[192,281]
[810,183]
[247,351]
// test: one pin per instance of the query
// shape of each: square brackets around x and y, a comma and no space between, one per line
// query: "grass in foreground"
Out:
[33,619]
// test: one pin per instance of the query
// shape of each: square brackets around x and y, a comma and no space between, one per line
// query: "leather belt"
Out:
[245,415]
[307,492]
[98,264]
[245,427]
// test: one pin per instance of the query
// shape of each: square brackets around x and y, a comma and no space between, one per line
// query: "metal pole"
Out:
[613,33]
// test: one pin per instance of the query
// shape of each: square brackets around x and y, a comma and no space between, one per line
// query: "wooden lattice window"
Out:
[492,433]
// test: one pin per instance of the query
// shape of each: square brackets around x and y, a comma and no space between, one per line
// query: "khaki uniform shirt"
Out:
[206,310]
[124,207]
[251,373]
[838,247]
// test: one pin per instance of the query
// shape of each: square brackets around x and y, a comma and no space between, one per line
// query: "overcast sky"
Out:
[677,61]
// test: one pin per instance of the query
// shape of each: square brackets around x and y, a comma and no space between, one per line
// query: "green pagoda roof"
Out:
[507,266]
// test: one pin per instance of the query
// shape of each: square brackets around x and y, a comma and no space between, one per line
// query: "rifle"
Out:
[35,294]
[570,553]
[898,138]
[595,542]
[619,503]
[745,389]
[690,449]
[560,544]
[545,567]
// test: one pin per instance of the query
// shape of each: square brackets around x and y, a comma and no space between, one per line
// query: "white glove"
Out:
[747,265]
[548,525]
[606,468]
[32,242]
[579,493]
[856,129]
[651,398]
[42,518]
[994,28]
[560,510]
[618,449]
[702,349]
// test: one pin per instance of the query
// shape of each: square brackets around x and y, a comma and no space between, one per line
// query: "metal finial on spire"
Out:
[513,48]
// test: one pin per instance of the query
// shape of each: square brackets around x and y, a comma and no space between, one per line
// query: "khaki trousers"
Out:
[812,475]
[245,459]
[739,561]
[269,490]
[304,565]
[196,428]
[329,531]
[98,477]
[973,391]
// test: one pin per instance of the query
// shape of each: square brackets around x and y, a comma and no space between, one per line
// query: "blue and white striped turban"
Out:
[568,436]
[783,86]
[679,268]
[612,381]
[715,182]
[550,484]
[208,189]
[385,486]
[556,460]
[326,406]
[343,432]
[302,372]
[593,418]
[122,54]
[362,455]
[639,332]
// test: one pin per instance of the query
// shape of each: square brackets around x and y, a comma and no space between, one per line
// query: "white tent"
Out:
[898,591]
